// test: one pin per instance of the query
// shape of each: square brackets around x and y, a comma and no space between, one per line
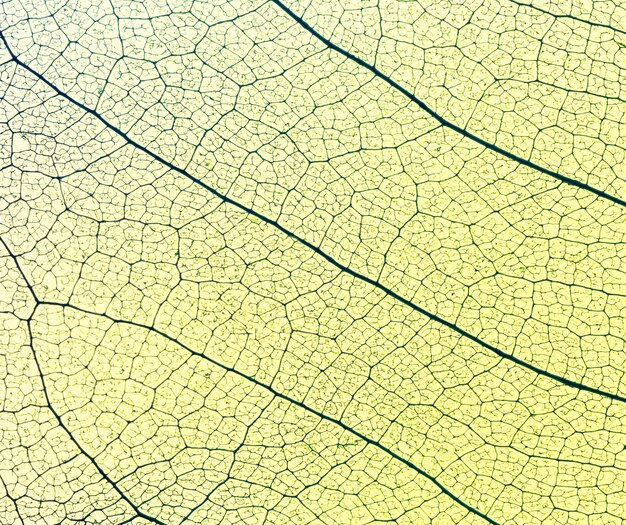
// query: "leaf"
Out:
[312,263]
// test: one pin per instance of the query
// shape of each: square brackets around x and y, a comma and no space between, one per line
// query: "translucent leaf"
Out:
[296,263]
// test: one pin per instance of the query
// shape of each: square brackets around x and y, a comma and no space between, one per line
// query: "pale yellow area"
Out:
[169,357]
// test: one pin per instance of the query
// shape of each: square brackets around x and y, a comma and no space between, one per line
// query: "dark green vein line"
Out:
[290,400]
[91,459]
[19,268]
[13,501]
[379,74]
[310,246]
[570,17]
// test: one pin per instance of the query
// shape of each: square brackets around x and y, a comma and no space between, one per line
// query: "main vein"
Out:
[290,400]
[222,366]
[309,245]
[444,122]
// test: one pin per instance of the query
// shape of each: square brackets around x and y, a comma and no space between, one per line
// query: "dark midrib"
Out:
[290,400]
[315,249]
[379,74]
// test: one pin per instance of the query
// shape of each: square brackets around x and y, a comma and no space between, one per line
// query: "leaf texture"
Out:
[304,263]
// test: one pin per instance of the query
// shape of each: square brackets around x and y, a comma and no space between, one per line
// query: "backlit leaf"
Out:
[312,262]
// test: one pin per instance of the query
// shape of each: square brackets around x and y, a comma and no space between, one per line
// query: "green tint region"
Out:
[312,262]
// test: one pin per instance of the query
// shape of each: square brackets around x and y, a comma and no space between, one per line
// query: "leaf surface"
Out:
[257,266]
